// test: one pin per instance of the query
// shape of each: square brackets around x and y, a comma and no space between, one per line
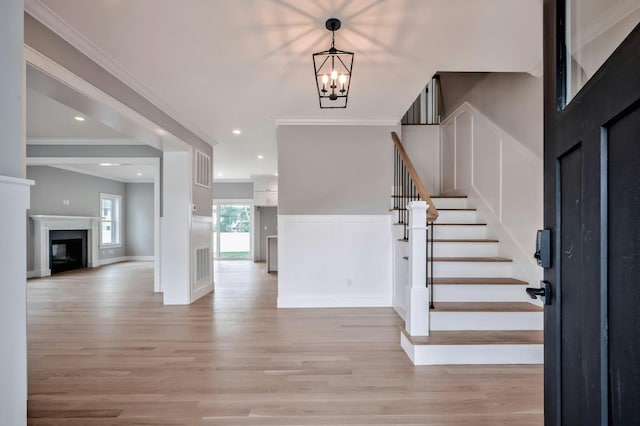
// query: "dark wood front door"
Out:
[592,206]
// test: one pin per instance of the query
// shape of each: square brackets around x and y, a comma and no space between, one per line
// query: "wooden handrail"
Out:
[432,213]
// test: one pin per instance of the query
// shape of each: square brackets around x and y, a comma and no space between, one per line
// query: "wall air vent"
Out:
[203,170]
[203,264]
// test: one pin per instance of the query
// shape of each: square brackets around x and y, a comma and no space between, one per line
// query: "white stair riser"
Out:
[472,354]
[472,269]
[464,249]
[486,320]
[458,216]
[460,232]
[479,293]
[450,203]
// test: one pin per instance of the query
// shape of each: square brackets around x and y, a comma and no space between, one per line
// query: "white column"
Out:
[14,193]
[417,315]
[175,251]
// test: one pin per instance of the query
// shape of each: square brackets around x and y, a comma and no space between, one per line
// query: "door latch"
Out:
[543,292]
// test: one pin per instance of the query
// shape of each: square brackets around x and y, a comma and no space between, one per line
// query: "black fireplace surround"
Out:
[67,250]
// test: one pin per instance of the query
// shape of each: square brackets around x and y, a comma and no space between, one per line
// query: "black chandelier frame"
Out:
[332,93]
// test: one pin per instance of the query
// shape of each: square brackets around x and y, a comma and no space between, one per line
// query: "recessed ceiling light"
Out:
[236,131]
[139,174]
[161,132]
[275,174]
[106,164]
[79,118]
[260,157]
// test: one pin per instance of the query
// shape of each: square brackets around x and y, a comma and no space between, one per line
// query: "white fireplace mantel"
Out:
[45,223]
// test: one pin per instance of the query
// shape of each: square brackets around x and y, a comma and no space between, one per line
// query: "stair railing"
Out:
[407,187]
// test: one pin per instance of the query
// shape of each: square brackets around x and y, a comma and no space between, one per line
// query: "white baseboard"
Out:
[38,273]
[333,302]
[102,262]
[140,258]
[202,291]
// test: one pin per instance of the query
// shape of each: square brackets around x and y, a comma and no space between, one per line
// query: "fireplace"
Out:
[56,247]
[67,250]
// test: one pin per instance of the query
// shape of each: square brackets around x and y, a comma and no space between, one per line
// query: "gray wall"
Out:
[139,219]
[514,101]
[334,170]
[11,84]
[232,190]
[53,185]
[268,226]
[54,47]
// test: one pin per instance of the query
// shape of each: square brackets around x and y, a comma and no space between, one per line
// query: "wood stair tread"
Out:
[468,337]
[470,259]
[478,281]
[486,307]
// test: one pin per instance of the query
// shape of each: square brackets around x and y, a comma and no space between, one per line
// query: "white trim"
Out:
[62,28]
[45,223]
[334,218]
[140,258]
[16,181]
[524,266]
[47,161]
[332,302]
[116,220]
[101,262]
[84,141]
[233,200]
[363,121]
[111,260]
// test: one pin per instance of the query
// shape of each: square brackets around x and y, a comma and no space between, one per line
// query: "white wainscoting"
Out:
[13,304]
[334,261]
[201,256]
[503,180]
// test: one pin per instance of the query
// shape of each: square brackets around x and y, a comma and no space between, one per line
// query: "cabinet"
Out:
[265,198]
[265,193]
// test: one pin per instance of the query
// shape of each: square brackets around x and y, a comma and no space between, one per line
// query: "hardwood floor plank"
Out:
[103,350]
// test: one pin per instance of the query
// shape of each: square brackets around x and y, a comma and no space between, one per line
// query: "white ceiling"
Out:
[218,65]
[123,172]
[48,119]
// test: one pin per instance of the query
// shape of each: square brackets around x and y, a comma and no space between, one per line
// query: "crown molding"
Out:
[362,121]
[68,33]
[84,141]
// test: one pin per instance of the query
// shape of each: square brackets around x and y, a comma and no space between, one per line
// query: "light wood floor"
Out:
[103,350]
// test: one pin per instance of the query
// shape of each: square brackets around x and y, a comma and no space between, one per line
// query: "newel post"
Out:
[417,318]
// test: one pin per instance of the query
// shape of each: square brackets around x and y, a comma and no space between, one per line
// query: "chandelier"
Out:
[333,71]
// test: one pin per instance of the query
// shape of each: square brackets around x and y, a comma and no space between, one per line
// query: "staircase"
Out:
[480,313]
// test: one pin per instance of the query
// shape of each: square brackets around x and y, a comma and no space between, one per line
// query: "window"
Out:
[110,224]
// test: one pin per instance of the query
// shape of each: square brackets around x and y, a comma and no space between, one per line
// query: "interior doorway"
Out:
[232,230]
